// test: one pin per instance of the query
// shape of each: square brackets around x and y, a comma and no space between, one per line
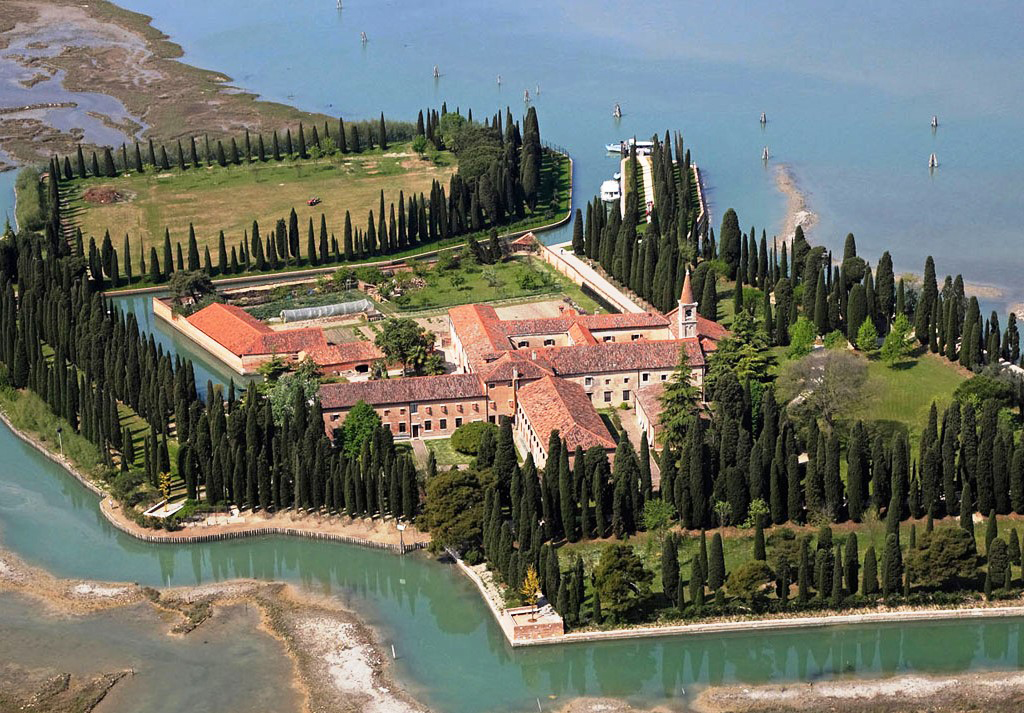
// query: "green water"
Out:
[229,665]
[450,653]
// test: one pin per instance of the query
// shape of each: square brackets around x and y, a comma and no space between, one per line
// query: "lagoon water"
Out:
[849,92]
[450,652]
[848,100]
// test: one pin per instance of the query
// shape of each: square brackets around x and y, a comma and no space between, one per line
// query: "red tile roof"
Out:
[556,404]
[649,399]
[621,356]
[446,387]
[561,325]
[347,353]
[244,335]
[580,334]
[525,366]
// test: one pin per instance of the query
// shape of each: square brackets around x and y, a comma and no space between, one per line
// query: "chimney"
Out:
[533,355]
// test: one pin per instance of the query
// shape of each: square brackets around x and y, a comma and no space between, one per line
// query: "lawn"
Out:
[468,282]
[905,394]
[229,198]
[444,454]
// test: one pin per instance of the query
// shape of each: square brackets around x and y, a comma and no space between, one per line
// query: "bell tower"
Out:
[686,314]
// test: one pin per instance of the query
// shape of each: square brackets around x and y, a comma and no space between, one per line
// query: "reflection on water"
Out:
[226,666]
[450,653]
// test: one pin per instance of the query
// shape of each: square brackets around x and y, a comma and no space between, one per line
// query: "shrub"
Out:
[30,211]
[466,438]
[981,388]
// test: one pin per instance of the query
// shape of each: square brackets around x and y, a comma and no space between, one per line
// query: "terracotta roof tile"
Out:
[345,353]
[556,404]
[621,356]
[525,366]
[244,335]
[406,390]
[649,398]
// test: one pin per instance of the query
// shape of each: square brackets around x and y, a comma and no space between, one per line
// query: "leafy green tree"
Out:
[453,511]
[896,348]
[622,581]
[657,516]
[867,336]
[360,423]
[943,559]
[405,342]
[801,338]
[750,582]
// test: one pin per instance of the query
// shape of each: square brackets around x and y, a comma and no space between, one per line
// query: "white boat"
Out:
[617,112]
[935,121]
[616,175]
[933,161]
[623,146]
[610,191]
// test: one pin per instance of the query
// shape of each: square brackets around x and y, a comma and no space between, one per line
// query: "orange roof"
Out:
[522,362]
[687,296]
[580,334]
[621,356]
[346,353]
[446,387]
[552,404]
[243,335]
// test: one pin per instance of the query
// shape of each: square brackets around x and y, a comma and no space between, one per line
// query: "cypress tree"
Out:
[759,549]
[716,563]
[670,568]
[869,586]
[852,565]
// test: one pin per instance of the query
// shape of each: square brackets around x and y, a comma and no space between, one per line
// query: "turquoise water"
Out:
[848,99]
[849,92]
[450,652]
[230,665]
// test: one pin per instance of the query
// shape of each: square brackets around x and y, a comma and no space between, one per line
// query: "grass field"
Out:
[230,198]
[521,277]
[444,454]
[905,394]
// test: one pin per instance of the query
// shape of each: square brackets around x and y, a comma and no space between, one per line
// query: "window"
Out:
[401,411]
[625,380]
[523,343]
[664,377]
[645,377]
[458,422]
[625,395]
[334,417]
[444,409]
[549,342]
[387,412]
[401,427]
[429,410]
[607,397]
[428,426]
[460,408]
[444,424]
[588,381]
[634,337]
[607,382]
[414,408]
[608,338]
[476,408]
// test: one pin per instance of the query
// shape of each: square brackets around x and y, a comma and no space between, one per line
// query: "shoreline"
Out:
[798,213]
[377,534]
[337,660]
[972,610]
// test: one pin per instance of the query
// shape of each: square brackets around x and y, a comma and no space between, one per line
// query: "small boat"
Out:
[622,146]
[617,111]
[764,118]
[437,72]
[339,4]
[362,37]
[764,154]
[617,175]
[935,122]
[526,95]
[933,161]
[538,90]
[611,191]
[499,80]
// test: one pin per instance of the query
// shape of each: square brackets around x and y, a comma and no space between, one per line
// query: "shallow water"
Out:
[849,92]
[225,666]
[451,654]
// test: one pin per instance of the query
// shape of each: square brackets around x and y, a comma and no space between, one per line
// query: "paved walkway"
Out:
[645,170]
[563,252]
